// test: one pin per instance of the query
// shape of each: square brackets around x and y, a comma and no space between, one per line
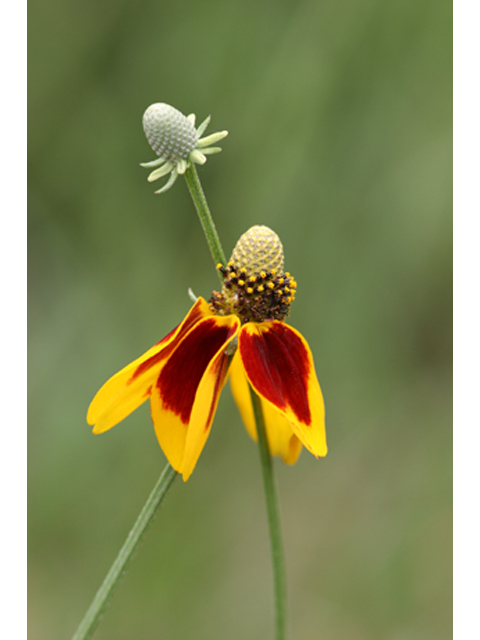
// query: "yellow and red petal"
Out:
[130,387]
[184,397]
[279,366]
[282,441]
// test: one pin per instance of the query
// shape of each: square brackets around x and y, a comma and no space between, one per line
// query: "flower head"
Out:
[239,332]
[175,140]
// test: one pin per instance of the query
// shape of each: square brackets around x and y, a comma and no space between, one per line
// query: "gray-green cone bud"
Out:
[170,134]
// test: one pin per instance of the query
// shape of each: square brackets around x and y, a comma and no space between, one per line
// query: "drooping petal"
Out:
[282,440]
[185,395]
[279,365]
[130,387]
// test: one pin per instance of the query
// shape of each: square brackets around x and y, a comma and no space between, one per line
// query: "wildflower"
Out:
[240,331]
[175,140]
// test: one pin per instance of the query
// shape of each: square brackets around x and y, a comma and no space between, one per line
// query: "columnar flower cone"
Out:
[241,332]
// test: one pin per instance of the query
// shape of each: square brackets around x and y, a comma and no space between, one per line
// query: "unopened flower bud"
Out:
[175,140]
[171,134]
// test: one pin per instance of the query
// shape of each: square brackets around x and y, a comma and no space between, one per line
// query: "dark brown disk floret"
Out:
[253,298]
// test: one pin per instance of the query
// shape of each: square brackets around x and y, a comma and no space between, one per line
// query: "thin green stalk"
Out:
[92,617]
[206,220]
[273,512]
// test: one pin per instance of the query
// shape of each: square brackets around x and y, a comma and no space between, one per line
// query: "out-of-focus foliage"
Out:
[339,115]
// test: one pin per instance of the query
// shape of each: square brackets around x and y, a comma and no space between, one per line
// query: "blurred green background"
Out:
[339,115]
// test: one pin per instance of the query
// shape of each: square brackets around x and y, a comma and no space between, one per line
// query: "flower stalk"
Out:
[96,609]
[274,525]
[206,220]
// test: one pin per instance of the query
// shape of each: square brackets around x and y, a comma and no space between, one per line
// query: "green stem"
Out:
[278,561]
[91,618]
[206,220]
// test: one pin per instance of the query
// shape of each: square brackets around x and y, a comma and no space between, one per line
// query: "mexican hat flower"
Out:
[240,333]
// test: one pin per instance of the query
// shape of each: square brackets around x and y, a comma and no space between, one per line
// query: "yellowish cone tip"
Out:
[259,249]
